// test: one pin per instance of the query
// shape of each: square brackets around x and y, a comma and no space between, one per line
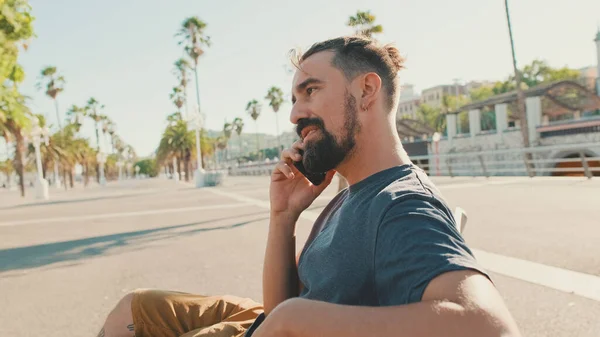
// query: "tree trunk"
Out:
[197,87]
[45,168]
[241,145]
[278,138]
[178,160]
[65,173]
[521,109]
[19,159]
[257,141]
[71,180]
[98,145]
[86,174]
[187,157]
[57,114]
[8,173]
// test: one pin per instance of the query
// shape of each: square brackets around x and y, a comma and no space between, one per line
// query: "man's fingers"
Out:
[298,145]
[285,169]
[292,154]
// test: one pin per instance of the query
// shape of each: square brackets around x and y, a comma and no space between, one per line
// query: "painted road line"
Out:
[477,184]
[552,277]
[569,281]
[121,215]
[308,215]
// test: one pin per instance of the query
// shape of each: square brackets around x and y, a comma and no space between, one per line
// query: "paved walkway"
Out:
[64,263]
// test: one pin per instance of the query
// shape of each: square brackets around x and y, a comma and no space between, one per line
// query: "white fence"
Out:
[534,161]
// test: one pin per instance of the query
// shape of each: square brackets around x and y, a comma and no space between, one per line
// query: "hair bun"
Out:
[395,57]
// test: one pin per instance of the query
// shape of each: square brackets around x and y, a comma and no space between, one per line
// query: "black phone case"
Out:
[314,178]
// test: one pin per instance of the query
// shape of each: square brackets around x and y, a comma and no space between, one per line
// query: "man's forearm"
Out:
[280,274]
[426,319]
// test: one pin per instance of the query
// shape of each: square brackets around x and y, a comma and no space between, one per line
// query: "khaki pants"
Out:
[160,313]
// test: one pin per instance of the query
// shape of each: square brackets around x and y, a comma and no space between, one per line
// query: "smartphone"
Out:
[314,178]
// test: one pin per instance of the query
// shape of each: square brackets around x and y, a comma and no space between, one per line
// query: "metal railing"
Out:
[532,161]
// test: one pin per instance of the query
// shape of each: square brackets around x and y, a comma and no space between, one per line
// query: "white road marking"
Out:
[569,281]
[476,184]
[584,285]
[308,215]
[120,215]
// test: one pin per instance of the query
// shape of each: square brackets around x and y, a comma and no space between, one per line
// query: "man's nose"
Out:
[298,112]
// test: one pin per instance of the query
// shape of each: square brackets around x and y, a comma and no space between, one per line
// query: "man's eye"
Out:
[310,90]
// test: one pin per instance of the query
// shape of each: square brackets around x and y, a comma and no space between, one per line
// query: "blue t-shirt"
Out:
[381,241]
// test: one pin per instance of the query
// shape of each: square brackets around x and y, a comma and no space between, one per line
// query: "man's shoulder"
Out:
[410,191]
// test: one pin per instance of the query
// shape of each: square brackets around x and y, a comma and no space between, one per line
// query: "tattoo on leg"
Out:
[101,333]
[130,327]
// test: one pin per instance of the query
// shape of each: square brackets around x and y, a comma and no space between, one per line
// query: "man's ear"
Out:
[371,85]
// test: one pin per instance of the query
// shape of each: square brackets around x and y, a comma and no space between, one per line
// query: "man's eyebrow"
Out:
[300,87]
[311,80]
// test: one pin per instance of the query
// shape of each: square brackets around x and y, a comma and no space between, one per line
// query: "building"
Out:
[434,96]
[478,84]
[407,92]
[597,40]
[408,109]
[587,77]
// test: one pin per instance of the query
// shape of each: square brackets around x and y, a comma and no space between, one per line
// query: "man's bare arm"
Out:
[280,273]
[455,304]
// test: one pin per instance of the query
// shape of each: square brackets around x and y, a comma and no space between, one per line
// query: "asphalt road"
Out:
[66,262]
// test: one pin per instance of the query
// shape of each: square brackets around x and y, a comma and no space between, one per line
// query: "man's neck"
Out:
[373,153]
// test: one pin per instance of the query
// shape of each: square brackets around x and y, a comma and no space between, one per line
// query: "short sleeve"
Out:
[417,240]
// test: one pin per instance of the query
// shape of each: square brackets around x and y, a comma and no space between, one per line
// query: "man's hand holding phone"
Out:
[291,192]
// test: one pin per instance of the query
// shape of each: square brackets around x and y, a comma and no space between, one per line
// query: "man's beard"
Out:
[326,153]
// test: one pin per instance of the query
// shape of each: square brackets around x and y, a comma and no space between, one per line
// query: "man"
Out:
[383,258]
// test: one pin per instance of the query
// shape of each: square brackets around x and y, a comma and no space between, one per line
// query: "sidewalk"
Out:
[12,198]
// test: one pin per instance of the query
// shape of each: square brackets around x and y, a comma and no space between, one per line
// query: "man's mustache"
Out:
[304,122]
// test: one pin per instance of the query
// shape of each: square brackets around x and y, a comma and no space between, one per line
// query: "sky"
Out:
[122,51]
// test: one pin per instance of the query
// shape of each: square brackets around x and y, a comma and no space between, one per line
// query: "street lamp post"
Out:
[175,173]
[128,171]
[120,166]
[196,121]
[101,157]
[436,141]
[41,184]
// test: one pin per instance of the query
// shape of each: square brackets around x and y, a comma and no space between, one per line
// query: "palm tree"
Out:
[227,130]
[364,24]
[178,97]
[15,119]
[86,156]
[253,109]
[221,143]
[521,110]
[76,115]
[6,166]
[93,108]
[50,152]
[107,126]
[177,141]
[182,67]
[54,84]
[194,38]
[275,97]
[112,131]
[238,126]
[174,117]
